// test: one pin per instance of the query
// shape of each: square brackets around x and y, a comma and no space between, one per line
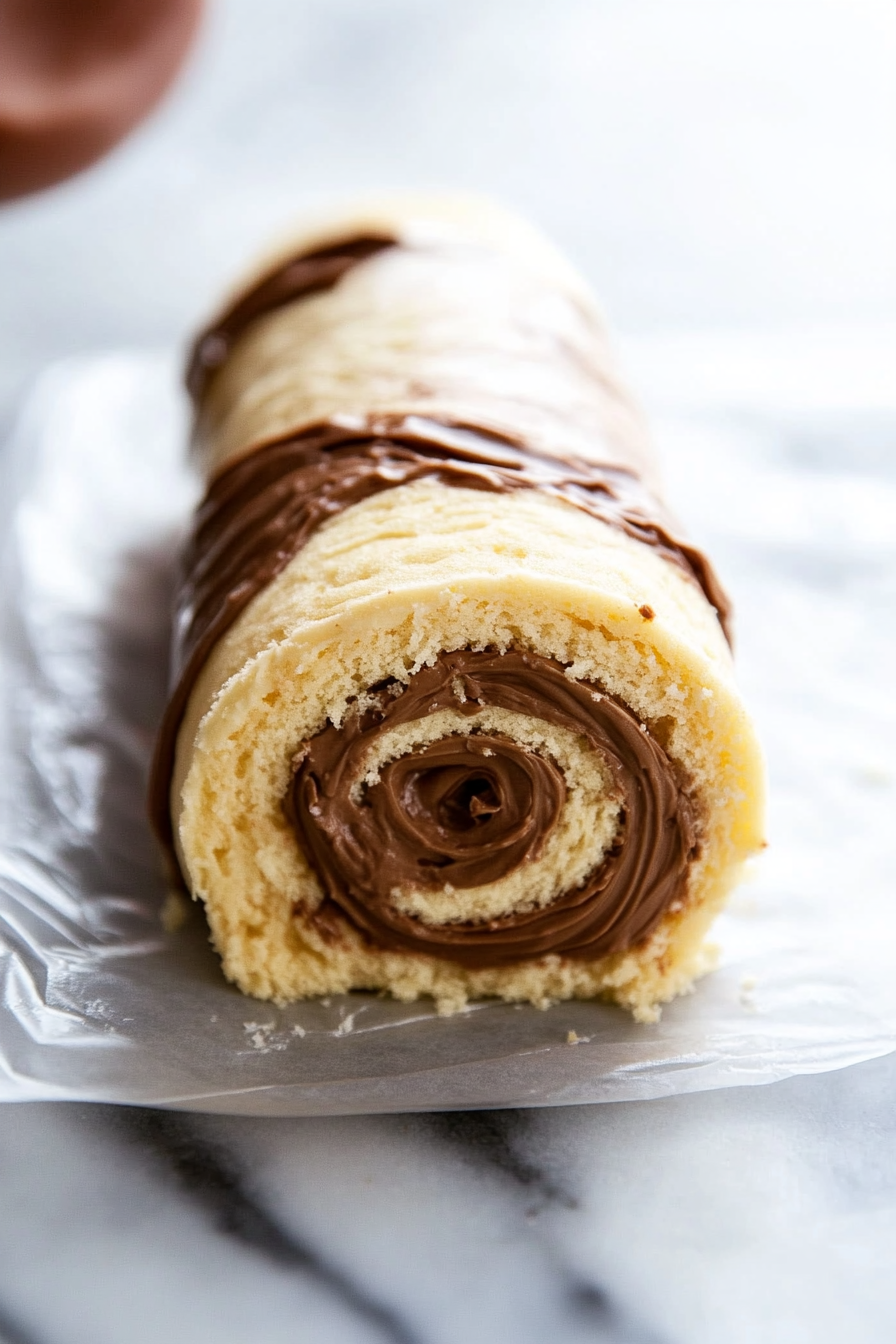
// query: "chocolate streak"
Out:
[260,512]
[470,809]
[294,279]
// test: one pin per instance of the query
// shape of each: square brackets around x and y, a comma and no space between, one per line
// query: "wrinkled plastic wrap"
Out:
[98,1001]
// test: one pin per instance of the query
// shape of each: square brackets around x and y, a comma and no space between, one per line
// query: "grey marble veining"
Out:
[759,1214]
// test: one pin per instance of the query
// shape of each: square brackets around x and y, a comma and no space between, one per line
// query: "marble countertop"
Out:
[755,1214]
[709,166]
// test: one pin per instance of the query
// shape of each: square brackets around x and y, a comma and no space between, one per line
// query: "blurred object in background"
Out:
[77,75]
[710,165]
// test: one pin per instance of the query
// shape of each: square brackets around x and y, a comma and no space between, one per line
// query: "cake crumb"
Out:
[347,1024]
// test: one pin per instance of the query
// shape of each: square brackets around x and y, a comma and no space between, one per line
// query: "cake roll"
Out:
[453,711]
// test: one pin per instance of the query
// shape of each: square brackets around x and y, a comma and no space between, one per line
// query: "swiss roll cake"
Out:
[453,709]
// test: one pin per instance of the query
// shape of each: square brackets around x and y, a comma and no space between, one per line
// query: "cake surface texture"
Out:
[453,708]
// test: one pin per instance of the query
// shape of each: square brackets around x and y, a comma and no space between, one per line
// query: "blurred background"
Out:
[708,163]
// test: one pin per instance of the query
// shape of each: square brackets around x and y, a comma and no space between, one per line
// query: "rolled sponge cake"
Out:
[453,708]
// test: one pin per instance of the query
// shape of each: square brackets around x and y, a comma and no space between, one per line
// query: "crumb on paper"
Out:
[297,1030]
[573,1038]
[261,1037]
[175,910]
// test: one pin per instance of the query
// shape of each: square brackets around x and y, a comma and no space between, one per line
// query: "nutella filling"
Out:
[470,809]
[260,511]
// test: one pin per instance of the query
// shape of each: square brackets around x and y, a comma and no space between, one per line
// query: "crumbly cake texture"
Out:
[382,589]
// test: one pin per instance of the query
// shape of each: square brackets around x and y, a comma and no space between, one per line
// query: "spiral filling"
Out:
[490,810]
[262,510]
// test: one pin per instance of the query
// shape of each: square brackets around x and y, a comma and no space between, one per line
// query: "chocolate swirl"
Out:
[260,512]
[467,810]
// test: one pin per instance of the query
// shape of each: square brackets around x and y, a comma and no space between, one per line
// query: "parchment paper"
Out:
[795,496]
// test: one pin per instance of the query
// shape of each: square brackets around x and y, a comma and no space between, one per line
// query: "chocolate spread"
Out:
[470,809]
[259,513]
[294,279]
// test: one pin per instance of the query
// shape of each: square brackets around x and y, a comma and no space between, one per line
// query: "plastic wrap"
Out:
[99,1002]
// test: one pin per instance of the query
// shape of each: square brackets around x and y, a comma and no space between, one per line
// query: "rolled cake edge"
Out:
[318,357]
[413,217]
[280,959]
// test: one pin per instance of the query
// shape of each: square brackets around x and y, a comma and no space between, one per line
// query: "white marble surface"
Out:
[762,1214]
[710,164]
